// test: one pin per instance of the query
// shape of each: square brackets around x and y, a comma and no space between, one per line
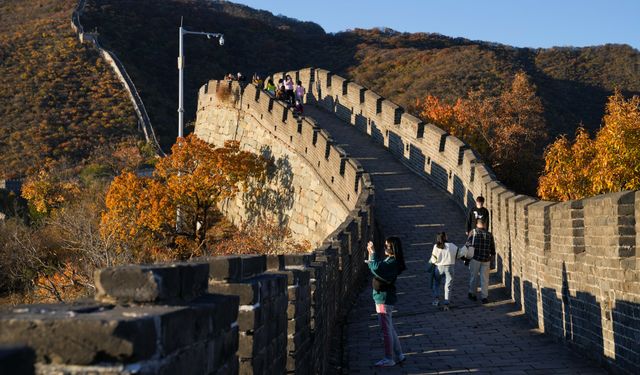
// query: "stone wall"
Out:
[297,193]
[218,315]
[572,267]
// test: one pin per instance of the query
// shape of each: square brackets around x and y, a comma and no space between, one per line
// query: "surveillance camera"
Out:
[222,40]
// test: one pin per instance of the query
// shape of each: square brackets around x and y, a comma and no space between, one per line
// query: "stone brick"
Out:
[168,282]
[253,265]
[246,291]
[124,335]
[224,268]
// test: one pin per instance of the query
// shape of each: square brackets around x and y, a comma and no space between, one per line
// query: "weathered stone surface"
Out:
[253,265]
[224,268]
[156,283]
[247,291]
[117,334]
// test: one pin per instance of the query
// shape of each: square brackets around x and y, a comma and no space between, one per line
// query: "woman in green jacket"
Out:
[385,271]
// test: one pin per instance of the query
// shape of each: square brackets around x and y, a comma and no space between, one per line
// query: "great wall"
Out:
[144,122]
[571,267]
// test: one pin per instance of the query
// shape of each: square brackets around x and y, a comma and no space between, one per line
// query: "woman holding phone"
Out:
[385,271]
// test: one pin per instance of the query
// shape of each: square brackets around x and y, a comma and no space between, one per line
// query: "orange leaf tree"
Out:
[141,212]
[507,130]
[608,163]
[618,146]
[47,191]
[567,172]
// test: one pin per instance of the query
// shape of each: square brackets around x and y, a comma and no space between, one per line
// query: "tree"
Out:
[608,163]
[507,130]
[568,173]
[47,191]
[618,146]
[141,212]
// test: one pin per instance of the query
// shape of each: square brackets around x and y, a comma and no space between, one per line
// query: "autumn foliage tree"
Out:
[609,162]
[141,211]
[507,130]
[46,191]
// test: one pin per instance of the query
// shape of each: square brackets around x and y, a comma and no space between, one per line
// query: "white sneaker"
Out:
[435,302]
[385,362]
[401,358]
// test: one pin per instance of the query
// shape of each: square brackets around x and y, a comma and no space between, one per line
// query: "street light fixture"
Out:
[183,32]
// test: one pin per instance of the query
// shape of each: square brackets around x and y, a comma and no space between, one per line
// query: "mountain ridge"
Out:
[573,82]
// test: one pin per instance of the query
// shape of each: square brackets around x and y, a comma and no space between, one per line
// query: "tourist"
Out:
[300,92]
[443,257]
[484,248]
[280,92]
[385,271]
[257,80]
[298,109]
[476,213]
[288,90]
[271,87]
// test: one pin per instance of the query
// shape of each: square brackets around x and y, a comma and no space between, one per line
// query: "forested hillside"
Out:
[573,82]
[58,99]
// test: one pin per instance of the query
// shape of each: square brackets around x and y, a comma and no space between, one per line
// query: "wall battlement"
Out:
[573,267]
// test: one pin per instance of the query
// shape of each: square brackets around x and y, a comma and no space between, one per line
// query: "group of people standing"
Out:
[288,91]
[476,253]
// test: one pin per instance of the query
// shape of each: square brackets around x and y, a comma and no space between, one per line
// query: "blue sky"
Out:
[521,23]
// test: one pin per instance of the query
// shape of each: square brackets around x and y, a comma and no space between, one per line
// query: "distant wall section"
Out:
[313,186]
[120,72]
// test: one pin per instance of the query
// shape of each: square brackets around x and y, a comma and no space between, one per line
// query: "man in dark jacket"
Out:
[484,248]
[476,213]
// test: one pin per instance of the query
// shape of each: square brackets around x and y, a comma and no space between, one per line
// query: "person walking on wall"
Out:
[385,271]
[443,256]
[288,90]
[300,92]
[484,248]
[479,211]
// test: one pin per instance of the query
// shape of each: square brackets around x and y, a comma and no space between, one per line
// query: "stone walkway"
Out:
[492,338]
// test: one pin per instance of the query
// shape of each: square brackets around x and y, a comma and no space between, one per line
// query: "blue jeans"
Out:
[439,274]
[481,268]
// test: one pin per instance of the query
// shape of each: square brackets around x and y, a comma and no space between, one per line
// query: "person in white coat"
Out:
[443,257]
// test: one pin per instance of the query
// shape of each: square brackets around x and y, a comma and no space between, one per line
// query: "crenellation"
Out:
[412,125]
[355,94]
[391,112]
[372,104]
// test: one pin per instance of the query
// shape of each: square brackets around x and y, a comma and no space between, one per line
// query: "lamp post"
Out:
[183,32]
